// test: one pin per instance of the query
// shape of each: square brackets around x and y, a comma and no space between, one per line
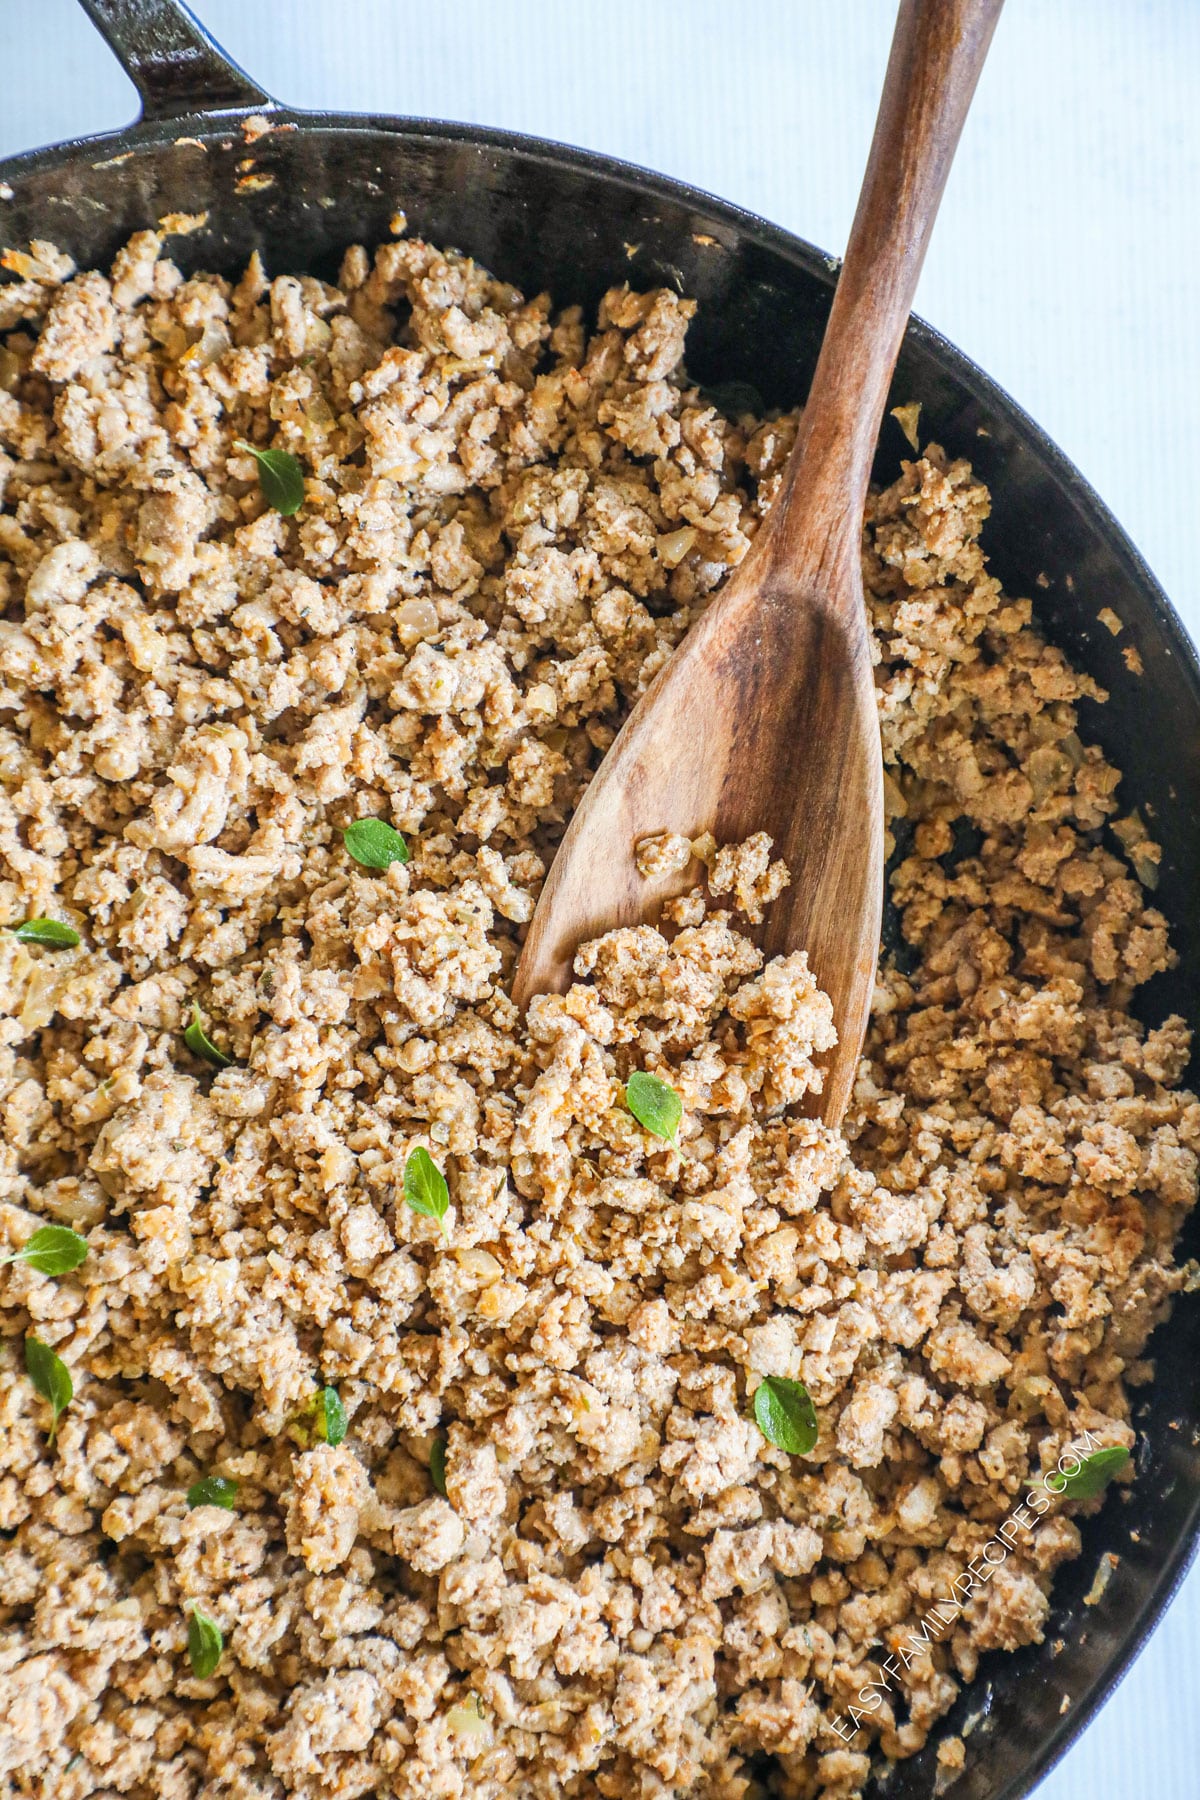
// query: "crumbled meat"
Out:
[554,1553]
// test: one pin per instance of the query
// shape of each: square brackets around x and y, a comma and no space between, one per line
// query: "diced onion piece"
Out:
[1104,1574]
[43,984]
[468,1722]
[416,620]
[1028,1396]
[1049,768]
[674,546]
[480,1265]
[541,702]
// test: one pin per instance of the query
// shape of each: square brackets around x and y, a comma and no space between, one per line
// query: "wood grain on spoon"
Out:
[765,717]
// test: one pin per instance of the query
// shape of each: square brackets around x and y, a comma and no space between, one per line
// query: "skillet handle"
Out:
[175,65]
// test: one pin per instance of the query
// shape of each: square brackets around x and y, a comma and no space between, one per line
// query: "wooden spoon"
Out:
[765,717]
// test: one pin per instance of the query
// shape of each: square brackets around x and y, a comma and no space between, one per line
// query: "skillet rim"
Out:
[163,129]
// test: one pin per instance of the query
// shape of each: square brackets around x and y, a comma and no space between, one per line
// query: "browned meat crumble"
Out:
[625,1591]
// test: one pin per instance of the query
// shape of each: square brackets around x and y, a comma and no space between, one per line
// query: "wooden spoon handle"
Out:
[937,52]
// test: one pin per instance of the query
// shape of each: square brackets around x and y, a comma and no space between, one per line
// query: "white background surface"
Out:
[1066,261]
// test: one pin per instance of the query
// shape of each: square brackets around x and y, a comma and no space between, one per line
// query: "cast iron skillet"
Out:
[544,216]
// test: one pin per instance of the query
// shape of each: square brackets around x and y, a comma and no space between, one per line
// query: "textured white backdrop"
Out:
[1066,262]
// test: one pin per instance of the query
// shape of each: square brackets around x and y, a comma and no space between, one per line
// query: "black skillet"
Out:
[543,216]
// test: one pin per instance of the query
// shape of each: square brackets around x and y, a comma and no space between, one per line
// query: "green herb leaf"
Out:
[205,1644]
[213,1490]
[200,1044]
[437,1465]
[279,476]
[51,1377]
[734,398]
[654,1104]
[784,1413]
[425,1189]
[374,843]
[331,1421]
[52,1250]
[52,934]
[322,1416]
[1091,1477]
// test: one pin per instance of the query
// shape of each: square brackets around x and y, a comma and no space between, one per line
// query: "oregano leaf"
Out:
[331,1422]
[51,1377]
[1091,1477]
[280,477]
[205,1643]
[52,1250]
[213,1490]
[374,843]
[784,1413]
[655,1104]
[425,1189]
[51,934]
[201,1045]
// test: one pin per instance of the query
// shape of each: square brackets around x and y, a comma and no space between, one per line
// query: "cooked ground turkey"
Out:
[511,516]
